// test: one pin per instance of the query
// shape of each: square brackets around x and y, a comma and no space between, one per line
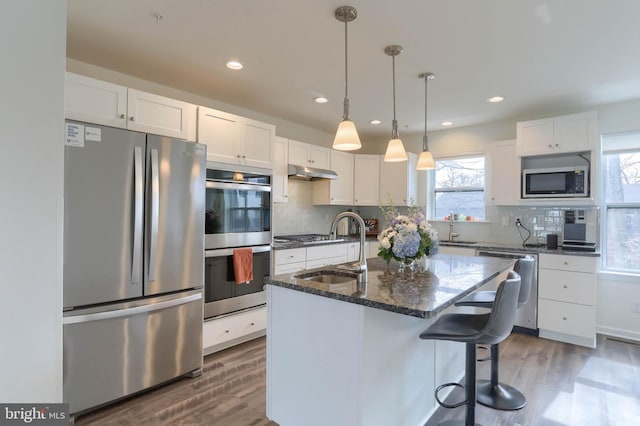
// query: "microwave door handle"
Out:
[138,188]
[155,208]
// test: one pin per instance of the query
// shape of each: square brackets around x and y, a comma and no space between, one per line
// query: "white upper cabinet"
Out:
[557,135]
[95,101]
[398,180]
[337,191]
[280,182]
[151,113]
[304,154]
[366,180]
[504,174]
[99,102]
[235,140]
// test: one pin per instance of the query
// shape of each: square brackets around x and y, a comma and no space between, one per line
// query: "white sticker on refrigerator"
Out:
[74,134]
[93,134]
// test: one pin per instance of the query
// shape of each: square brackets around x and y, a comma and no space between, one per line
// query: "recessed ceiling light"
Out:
[234,65]
[495,99]
[375,122]
[447,123]
[321,100]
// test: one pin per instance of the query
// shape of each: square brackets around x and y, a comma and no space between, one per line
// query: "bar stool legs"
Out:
[493,394]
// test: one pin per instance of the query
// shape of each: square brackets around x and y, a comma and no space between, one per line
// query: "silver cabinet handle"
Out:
[137,214]
[244,156]
[564,318]
[122,115]
[131,118]
[565,286]
[237,155]
[252,324]
[566,263]
[550,146]
[155,213]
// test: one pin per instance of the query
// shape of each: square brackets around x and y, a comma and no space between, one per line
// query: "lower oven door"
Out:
[221,293]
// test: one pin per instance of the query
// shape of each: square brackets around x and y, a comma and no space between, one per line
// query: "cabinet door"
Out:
[95,101]
[319,156]
[258,144]
[341,189]
[280,179]
[393,183]
[299,153]
[366,180]
[222,133]
[505,174]
[571,133]
[535,137]
[161,116]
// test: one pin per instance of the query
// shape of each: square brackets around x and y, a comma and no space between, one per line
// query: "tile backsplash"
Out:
[300,216]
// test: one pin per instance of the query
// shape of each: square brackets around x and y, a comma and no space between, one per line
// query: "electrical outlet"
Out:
[635,306]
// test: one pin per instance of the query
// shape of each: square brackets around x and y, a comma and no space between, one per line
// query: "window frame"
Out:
[432,190]
[607,206]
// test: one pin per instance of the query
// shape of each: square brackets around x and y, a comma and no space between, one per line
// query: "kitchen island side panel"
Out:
[333,362]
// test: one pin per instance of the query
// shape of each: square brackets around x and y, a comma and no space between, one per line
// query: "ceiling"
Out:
[544,57]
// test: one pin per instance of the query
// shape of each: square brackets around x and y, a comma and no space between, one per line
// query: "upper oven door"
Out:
[237,214]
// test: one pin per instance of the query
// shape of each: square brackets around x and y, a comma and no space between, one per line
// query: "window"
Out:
[459,188]
[621,196]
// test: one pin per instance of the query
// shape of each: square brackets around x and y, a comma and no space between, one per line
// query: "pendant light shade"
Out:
[425,162]
[347,138]
[395,148]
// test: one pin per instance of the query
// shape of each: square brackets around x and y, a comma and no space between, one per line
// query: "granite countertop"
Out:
[441,281]
[518,248]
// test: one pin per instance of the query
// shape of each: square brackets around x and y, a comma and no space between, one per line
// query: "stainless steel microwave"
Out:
[556,182]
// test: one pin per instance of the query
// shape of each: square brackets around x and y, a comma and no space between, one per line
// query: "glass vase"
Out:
[408,264]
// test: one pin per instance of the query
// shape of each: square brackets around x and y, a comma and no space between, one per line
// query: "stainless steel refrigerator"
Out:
[133,262]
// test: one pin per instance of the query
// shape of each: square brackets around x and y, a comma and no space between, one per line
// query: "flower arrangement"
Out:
[408,236]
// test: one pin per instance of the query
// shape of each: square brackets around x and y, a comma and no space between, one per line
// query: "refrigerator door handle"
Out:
[155,209]
[138,185]
[118,313]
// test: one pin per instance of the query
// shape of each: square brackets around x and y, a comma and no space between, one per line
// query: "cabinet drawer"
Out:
[568,263]
[334,260]
[563,286]
[323,252]
[288,268]
[561,317]
[282,257]
[218,331]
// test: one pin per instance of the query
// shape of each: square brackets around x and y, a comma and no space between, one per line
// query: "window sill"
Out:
[618,276]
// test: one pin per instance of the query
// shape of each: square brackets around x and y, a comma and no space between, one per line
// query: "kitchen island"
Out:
[336,356]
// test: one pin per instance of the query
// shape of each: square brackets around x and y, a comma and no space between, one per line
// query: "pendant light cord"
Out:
[424,139]
[394,125]
[345,113]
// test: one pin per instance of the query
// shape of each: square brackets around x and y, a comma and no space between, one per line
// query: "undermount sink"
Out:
[458,242]
[327,277]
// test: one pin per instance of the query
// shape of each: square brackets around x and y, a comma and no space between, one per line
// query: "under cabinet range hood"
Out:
[309,173]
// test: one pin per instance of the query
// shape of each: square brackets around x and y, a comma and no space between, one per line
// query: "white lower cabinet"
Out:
[567,298]
[292,260]
[463,251]
[229,330]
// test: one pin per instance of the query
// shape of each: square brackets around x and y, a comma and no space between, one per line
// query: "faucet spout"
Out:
[452,234]
[360,267]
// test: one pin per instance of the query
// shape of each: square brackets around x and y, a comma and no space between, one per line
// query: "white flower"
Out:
[385,243]
[412,227]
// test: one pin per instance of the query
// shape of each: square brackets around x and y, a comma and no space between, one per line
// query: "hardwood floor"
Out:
[564,385]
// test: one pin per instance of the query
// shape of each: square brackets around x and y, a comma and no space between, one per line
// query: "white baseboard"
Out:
[619,332]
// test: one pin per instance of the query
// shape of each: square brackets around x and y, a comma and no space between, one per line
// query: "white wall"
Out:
[33,44]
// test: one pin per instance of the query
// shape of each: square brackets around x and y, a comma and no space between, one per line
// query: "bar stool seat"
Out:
[492,393]
[471,329]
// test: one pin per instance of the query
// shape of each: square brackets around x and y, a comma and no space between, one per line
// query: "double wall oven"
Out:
[237,215]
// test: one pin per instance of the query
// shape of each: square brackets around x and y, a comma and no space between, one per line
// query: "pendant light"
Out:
[395,148]
[347,138]
[425,162]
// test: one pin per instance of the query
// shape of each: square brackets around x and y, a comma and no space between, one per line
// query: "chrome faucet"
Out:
[452,234]
[359,267]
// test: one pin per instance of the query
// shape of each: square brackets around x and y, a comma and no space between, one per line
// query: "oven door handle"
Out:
[241,186]
[229,252]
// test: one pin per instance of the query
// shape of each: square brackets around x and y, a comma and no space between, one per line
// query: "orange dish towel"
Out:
[243,265]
